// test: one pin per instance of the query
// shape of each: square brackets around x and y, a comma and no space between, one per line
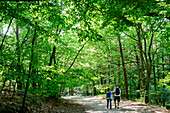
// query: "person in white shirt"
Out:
[117,95]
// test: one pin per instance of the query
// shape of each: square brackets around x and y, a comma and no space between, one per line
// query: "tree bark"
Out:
[124,69]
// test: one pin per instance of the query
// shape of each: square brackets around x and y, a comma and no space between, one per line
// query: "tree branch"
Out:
[75,58]
[2,19]
[130,36]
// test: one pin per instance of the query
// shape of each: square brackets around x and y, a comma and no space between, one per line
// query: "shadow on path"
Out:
[98,105]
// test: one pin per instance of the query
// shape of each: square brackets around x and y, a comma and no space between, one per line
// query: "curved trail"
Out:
[98,105]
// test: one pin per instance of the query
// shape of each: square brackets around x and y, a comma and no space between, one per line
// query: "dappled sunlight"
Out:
[73,56]
[98,105]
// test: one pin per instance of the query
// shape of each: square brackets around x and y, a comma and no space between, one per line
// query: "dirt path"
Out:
[98,105]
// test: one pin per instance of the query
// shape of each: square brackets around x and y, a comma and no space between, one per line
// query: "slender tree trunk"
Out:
[94,89]
[105,82]
[71,92]
[19,84]
[119,71]
[142,65]
[87,90]
[148,66]
[52,56]
[124,69]
[54,48]
[2,19]
[101,80]
[157,67]
[109,74]
[30,70]
[139,78]
[108,60]
[141,56]
[130,88]
[26,90]
[147,85]
[154,73]
[163,69]
[6,34]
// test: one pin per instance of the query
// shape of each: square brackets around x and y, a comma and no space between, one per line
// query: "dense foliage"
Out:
[53,47]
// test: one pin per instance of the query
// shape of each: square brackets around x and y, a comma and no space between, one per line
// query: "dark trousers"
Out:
[109,100]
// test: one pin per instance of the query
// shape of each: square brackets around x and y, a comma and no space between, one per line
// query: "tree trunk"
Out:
[157,67]
[147,85]
[19,84]
[6,34]
[142,65]
[105,80]
[109,76]
[154,73]
[119,70]
[71,92]
[163,69]
[124,69]
[148,66]
[141,55]
[30,70]
[139,78]
[101,80]
[87,90]
[52,56]
[94,89]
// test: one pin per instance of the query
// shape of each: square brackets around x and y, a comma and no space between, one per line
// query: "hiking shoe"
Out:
[117,107]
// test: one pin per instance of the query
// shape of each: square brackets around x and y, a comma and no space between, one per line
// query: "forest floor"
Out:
[73,104]
[98,105]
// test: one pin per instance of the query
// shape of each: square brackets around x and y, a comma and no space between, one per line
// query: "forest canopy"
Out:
[55,47]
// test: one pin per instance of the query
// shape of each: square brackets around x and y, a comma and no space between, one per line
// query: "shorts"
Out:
[117,98]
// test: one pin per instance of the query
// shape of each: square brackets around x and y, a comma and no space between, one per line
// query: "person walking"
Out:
[109,98]
[117,95]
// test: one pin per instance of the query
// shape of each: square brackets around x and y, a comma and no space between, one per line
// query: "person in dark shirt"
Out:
[109,98]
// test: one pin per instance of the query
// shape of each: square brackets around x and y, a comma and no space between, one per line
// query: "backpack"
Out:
[117,91]
[108,95]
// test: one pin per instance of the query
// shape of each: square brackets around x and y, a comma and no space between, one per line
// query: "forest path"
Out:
[98,105]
